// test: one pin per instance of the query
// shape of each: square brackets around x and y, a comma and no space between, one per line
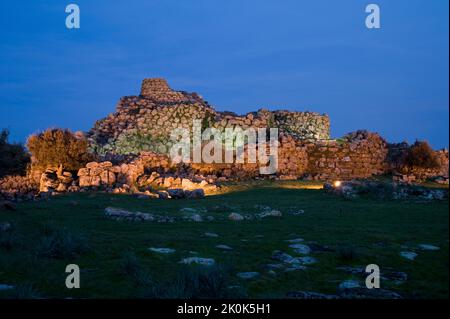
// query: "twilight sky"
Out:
[240,55]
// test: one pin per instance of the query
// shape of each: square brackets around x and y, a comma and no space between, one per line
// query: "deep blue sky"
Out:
[240,55]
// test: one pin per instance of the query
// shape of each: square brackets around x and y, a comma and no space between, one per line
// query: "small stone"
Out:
[6,287]
[283,257]
[188,210]
[428,247]
[196,218]
[162,250]
[305,260]
[295,240]
[248,275]
[408,255]
[349,284]
[235,217]
[272,213]
[176,193]
[295,267]
[198,260]
[224,247]
[274,266]
[301,249]
[5,226]
[211,234]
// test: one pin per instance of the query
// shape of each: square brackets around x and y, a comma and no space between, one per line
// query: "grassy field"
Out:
[115,261]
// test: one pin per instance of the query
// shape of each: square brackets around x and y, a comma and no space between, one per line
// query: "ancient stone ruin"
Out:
[131,146]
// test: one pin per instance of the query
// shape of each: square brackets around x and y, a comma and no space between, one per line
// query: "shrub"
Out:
[420,154]
[131,267]
[346,253]
[197,282]
[55,147]
[9,241]
[26,291]
[13,157]
[61,244]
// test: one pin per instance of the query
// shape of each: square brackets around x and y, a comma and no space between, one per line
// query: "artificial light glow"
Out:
[337,183]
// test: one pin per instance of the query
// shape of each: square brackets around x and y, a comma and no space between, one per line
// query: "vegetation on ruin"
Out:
[55,147]
[115,261]
[421,155]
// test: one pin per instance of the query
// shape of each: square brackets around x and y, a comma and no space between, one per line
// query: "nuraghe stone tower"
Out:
[144,122]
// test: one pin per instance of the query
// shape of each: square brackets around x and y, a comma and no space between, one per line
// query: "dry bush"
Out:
[421,155]
[55,147]
[13,157]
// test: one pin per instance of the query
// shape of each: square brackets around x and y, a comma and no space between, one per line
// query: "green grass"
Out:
[373,231]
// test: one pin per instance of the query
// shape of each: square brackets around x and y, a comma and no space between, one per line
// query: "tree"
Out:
[421,155]
[13,157]
[58,147]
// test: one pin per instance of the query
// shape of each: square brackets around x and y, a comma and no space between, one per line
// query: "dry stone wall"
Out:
[358,155]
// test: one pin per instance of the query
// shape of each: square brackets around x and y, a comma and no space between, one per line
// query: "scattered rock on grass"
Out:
[349,284]
[235,217]
[211,234]
[271,213]
[195,217]
[364,293]
[305,260]
[301,249]
[428,247]
[408,255]
[6,287]
[224,247]
[248,275]
[295,240]
[188,210]
[122,214]
[198,260]
[162,250]
[283,257]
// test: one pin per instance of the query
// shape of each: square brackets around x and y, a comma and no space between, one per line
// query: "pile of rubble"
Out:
[18,188]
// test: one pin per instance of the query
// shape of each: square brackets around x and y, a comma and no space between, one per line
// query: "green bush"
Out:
[13,157]
[421,155]
[55,147]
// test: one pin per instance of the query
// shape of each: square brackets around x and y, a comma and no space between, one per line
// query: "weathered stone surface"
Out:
[247,275]
[408,255]
[428,247]
[301,249]
[235,217]
[224,247]
[198,260]
[122,214]
[162,250]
